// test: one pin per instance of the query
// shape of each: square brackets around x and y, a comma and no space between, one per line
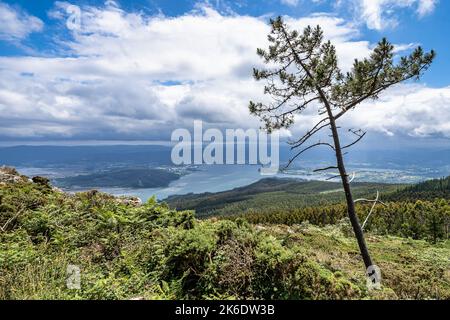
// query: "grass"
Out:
[411,269]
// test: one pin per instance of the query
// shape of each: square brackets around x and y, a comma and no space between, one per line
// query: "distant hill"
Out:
[85,156]
[120,178]
[273,194]
[99,155]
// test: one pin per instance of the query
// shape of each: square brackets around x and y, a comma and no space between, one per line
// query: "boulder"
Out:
[10,175]
[130,201]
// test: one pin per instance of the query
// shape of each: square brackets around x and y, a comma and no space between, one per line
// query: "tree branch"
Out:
[360,137]
[374,93]
[306,149]
[326,169]
[371,209]
[311,132]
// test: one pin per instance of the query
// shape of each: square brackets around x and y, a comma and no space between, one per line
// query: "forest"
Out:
[420,211]
[276,194]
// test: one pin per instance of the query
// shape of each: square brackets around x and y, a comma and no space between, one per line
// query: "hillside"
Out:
[419,211]
[120,178]
[431,189]
[272,194]
[131,251]
[98,156]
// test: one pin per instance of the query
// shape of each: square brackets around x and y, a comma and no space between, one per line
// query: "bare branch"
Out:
[19,212]
[316,145]
[338,176]
[298,107]
[375,202]
[326,169]
[311,132]
[306,149]
[352,178]
[278,71]
[360,136]
[333,177]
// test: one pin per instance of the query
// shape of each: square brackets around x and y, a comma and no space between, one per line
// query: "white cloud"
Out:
[292,3]
[135,76]
[122,61]
[381,14]
[16,24]
[411,109]
[426,7]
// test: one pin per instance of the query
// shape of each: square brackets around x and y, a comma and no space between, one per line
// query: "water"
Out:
[219,178]
[205,179]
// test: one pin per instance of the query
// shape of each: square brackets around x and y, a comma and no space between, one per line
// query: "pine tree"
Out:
[304,73]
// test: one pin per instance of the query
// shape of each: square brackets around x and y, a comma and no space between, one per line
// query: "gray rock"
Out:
[130,201]
[10,175]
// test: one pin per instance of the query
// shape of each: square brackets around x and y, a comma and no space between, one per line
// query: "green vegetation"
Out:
[427,190]
[429,220]
[289,202]
[152,252]
[273,195]
[121,178]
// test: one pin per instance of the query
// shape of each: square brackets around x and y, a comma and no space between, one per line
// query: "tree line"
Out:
[421,219]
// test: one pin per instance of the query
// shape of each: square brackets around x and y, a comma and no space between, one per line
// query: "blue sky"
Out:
[427,30]
[139,69]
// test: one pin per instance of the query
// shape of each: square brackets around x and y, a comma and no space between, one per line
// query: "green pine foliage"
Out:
[271,195]
[427,190]
[428,220]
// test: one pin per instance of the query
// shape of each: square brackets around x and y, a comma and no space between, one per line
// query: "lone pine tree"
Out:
[303,72]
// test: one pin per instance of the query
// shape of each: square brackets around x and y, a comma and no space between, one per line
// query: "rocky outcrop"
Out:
[130,201]
[10,175]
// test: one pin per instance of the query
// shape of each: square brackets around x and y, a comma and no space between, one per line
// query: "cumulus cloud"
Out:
[132,76]
[382,14]
[406,114]
[412,109]
[135,75]
[16,24]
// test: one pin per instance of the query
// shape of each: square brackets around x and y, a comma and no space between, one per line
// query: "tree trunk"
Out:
[348,194]
[340,164]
